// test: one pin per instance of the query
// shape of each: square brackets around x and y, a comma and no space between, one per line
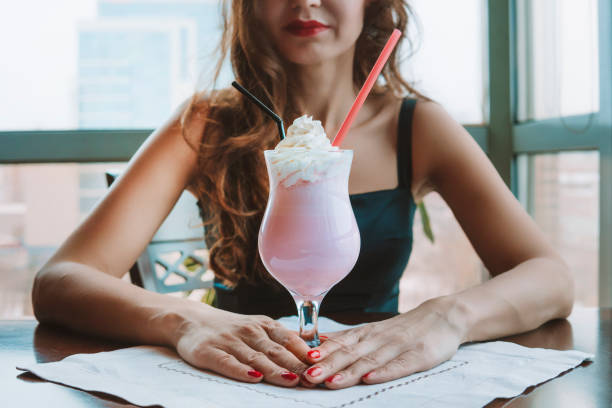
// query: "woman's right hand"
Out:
[249,348]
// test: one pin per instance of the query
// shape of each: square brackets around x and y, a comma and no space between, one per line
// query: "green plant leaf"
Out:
[191,264]
[425,221]
[209,296]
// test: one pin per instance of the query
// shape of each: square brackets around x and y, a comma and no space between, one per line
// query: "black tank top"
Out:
[385,221]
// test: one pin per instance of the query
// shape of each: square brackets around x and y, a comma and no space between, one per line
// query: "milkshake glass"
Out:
[308,239]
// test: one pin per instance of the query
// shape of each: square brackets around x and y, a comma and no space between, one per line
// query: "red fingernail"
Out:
[314,354]
[306,383]
[255,373]
[369,375]
[334,377]
[324,337]
[314,371]
[289,376]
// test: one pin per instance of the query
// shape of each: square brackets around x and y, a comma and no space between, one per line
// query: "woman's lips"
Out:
[305,28]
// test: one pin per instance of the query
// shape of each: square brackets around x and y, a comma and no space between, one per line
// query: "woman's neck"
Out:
[326,90]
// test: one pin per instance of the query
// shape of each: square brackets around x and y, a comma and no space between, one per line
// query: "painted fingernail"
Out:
[314,354]
[255,373]
[335,377]
[306,383]
[289,376]
[369,375]
[314,371]
[323,338]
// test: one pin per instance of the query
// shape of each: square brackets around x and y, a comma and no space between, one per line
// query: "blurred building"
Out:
[139,59]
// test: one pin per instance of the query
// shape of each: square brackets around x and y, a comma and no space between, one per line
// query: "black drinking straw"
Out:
[277,119]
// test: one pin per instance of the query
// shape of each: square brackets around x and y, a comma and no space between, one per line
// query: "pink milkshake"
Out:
[308,239]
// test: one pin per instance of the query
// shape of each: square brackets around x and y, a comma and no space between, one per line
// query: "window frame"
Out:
[70,146]
[508,138]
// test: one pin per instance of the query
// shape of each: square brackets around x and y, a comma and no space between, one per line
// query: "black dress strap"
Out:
[404,143]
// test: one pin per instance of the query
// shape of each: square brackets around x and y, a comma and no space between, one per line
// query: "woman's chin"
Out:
[306,57]
[313,53]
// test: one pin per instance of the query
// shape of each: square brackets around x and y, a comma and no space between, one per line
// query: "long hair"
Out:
[231,179]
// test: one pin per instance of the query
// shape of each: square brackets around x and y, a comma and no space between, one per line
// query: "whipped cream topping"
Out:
[306,133]
[306,154]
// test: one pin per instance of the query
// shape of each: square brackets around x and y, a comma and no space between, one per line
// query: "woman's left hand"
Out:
[383,351]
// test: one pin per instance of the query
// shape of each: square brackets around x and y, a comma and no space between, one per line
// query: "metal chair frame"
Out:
[151,271]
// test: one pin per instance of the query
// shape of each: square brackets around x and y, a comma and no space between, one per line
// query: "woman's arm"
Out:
[79,287]
[531,284]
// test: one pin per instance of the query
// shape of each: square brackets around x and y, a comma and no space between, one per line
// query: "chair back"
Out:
[176,259]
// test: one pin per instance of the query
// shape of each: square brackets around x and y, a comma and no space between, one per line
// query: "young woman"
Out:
[306,56]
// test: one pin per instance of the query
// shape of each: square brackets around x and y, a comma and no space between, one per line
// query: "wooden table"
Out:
[589,385]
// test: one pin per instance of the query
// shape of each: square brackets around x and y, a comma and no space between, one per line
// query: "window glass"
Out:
[450,64]
[557,56]
[562,195]
[101,63]
[560,191]
[128,63]
[446,266]
[40,205]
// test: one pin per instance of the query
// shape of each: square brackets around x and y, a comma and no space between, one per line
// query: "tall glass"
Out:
[309,239]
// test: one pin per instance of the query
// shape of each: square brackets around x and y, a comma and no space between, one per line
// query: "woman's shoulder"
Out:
[189,122]
[433,127]
[200,116]
[189,118]
[200,110]
[435,135]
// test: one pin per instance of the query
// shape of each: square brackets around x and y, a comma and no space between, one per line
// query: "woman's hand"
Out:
[245,348]
[383,351]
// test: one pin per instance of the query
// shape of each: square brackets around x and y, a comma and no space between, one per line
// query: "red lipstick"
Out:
[308,28]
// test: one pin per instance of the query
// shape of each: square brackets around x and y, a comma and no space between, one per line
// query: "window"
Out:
[446,266]
[563,199]
[451,69]
[102,63]
[83,64]
[40,205]
[564,93]
[558,58]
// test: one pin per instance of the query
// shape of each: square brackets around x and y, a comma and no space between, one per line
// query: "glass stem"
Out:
[308,311]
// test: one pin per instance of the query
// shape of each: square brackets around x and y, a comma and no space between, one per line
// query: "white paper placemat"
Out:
[148,375]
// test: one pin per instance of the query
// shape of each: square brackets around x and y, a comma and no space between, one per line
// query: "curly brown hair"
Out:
[231,180]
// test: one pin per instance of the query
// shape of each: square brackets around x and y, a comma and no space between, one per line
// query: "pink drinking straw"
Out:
[367,86]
